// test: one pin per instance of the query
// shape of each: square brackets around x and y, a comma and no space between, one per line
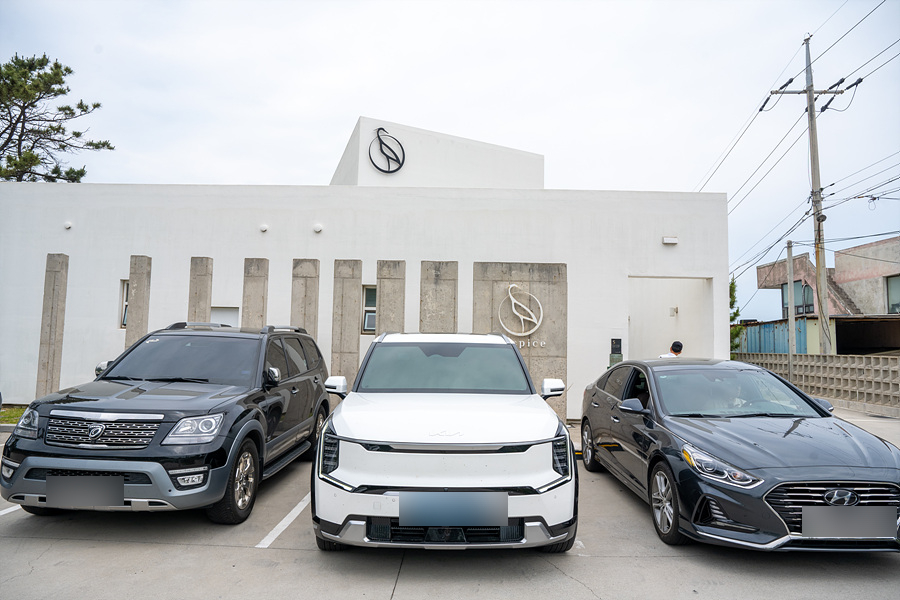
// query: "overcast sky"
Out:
[615,94]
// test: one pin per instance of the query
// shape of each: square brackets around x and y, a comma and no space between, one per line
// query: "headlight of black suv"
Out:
[27,427]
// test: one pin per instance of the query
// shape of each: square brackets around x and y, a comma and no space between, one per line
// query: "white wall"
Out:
[604,237]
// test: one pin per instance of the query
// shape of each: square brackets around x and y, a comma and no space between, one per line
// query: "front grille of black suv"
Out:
[385,529]
[789,499]
[130,478]
[115,434]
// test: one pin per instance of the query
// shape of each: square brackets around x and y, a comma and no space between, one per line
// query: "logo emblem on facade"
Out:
[96,431]
[390,155]
[523,312]
[841,497]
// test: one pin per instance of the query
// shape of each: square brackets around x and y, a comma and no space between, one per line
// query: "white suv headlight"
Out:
[195,430]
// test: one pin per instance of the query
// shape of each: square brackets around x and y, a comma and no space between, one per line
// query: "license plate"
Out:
[849,522]
[459,509]
[85,491]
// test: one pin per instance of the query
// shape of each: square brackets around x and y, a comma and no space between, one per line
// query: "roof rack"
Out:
[273,328]
[185,325]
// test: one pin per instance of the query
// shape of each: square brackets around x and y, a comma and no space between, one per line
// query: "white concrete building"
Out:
[645,268]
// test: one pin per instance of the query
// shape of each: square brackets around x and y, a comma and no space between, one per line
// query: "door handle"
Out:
[614,418]
[594,404]
[294,390]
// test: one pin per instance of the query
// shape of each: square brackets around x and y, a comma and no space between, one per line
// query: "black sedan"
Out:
[729,453]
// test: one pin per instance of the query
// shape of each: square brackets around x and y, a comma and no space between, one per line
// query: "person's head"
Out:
[676,347]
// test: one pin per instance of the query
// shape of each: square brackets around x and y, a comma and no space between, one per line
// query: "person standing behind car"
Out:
[674,350]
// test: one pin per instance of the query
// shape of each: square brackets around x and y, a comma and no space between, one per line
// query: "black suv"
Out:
[191,416]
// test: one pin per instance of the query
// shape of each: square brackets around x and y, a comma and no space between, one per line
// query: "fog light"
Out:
[7,472]
[186,480]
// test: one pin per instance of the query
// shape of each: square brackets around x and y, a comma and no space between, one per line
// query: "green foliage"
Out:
[32,132]
[735,314]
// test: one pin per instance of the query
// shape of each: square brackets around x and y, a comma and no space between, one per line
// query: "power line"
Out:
[871,59]
[861,180]
[861,170]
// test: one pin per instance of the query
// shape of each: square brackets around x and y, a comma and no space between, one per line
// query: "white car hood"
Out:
[443,419]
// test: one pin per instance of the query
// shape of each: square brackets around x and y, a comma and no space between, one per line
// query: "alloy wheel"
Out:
[661,497]
[244,480]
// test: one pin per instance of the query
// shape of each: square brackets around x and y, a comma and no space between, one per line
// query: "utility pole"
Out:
[792,333]
[821,270]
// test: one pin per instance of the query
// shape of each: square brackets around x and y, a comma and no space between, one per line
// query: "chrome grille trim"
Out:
[116,434]
[788,499]
[105,416]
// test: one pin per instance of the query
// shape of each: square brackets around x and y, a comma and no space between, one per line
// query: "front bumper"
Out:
[147,485]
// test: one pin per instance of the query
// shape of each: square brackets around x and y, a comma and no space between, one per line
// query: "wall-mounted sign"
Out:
[389,156]
[520,313]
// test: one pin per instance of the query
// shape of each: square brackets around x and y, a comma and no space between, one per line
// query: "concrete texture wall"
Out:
[305,295]
[255,298]
[390,296]
[592,232]
[138,299]
[53,321]
[861,271]
[439,297]
[529,303]
[200,290]
[346,315]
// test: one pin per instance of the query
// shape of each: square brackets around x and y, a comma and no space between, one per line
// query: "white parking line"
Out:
[9,510]
[285,523]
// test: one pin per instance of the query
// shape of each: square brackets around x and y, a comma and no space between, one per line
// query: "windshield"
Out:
[718,393]
[202,359]
[444,367]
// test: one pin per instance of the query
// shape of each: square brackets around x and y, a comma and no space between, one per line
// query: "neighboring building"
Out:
[463,238]
[863,302]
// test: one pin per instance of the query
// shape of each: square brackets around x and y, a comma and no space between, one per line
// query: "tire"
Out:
[588,457]
[240,493]
[42,511]
[313,438]
[558,547]
[664,505]
[329,546]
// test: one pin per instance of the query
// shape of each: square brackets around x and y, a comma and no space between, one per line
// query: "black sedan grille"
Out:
[112,434]
[789,499]
[384,529]
[130,478]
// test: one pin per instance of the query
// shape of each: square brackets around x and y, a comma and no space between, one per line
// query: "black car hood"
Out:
[179,398]
[777,442]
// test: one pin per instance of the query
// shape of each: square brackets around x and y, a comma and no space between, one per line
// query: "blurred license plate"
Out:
[460,509]
[85,491]
[849,522]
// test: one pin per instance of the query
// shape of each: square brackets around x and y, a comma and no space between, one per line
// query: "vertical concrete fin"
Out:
[390,300]
[438,299]
[138,299]
[200,290]
[305,295]
[256,292]
[53,321]
[345,323]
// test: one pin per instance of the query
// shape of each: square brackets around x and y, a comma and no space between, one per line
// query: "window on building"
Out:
[893,294]
[123,303]
[803,299]
[368,318]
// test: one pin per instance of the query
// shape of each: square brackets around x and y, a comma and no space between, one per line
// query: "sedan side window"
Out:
[638,388]
[616,382]
[296,359]
[275,358]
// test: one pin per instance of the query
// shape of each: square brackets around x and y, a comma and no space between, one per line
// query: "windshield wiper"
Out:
[763,414]
[179,379]
[124,378]
[697,415]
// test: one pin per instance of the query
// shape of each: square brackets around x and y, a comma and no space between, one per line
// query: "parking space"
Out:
[273,554]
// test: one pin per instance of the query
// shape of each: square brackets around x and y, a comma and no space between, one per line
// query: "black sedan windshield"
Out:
[187,358]
[718,393]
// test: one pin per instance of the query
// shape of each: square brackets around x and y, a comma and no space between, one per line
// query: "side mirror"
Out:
[101,367]
[552,387]
[824,404]
[337,385]
[273,375]
[632,405]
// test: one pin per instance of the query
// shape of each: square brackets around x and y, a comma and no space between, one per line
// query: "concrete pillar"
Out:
[53,321]
[438,297]
[305,295]
[390,301]
[256,292]
[505,292]
[138,299]
[345,320]
[200,290]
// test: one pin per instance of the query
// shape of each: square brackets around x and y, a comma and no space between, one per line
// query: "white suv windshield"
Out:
[444,367]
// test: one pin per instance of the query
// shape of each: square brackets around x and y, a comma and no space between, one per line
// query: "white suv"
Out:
[443,442]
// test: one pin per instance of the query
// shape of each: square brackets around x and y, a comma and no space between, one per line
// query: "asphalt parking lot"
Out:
[274,555]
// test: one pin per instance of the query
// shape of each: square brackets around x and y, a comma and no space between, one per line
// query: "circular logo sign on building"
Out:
[520,313]
[386,152]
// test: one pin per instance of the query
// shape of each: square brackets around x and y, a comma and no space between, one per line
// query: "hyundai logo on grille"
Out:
[841,497]
[96,431]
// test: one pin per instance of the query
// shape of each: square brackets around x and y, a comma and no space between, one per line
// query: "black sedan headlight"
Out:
[709,466]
